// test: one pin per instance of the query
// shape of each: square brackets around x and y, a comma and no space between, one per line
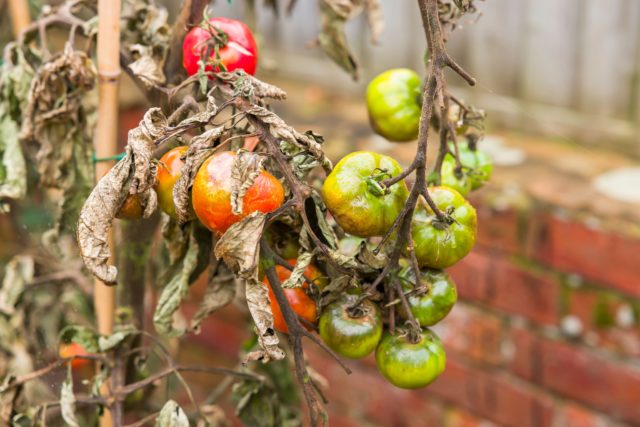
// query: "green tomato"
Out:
[351,333]
[355,198]
[393,102]
[434,305]
[441,244]
[408,365]
[462,184]
[478,164]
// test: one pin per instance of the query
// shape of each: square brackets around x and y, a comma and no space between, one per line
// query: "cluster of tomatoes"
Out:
[361,204]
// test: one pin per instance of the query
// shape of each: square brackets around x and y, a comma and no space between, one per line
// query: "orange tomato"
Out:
[74,349]
[211,193]
[168,173]
[131,208]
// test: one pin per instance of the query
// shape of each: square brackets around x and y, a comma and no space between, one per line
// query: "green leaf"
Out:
[86,337]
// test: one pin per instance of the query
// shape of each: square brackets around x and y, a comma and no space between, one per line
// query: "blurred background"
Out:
[547,330]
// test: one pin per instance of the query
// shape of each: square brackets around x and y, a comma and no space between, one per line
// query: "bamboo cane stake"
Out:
[108,53]
[20,18]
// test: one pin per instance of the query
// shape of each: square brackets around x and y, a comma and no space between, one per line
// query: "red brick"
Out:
[597,312]
[499,229]
[460,418]
[472,333]
[579,374]
[575,416]
[493,396]
[574,248]
[499,283]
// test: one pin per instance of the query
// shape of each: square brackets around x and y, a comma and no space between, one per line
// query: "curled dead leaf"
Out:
[246,168]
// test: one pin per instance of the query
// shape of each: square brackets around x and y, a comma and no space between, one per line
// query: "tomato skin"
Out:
[131,208]
[440,248]
[311,272]
[433,306]
[211,193]
[169,167]
[462,184]
[393,103]
[479,163]
[348,197]
[351,337]
[241,52]
[74,349]
[408,365]
[300,303]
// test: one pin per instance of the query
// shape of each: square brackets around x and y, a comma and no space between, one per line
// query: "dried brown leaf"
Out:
[248,85]
[220,291]
[239,248]
[199,150]
[246,168]
[375,18]
[332,38]
[146,67]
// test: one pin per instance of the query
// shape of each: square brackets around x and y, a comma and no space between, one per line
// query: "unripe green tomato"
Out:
[353,194]
[440,245]
[393,103]
[462,184]
[478,163]
[351,333]
[434,305]
[408,365]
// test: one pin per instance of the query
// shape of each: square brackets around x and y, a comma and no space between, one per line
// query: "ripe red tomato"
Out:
[211,193]
[240,52]
[299,301]
[169,168]
[74,349]
[312,273]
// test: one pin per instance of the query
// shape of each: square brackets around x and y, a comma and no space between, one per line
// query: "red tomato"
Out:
[74,349]
[241,52]
[211,193]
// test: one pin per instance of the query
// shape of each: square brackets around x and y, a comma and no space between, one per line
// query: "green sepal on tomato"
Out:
[435,303]
[352,332]
[440,244]
[393,103]
[353,193]
[410,365]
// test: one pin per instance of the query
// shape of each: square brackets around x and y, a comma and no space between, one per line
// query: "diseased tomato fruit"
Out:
[408,365]
[352,333]
[240,52]
[299,301]
[211,193]
[354,196]
[169,168]
[431,307]
[477,163]
[74,349]
[393,102]
[440,244]
[131,208]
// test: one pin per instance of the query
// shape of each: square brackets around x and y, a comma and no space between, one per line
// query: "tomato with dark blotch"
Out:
[440,243]
[169,167]
[351,330]
[240,51]
[410,365]
[437,300]
[74,349]
[131,208]
[211,193]
[393,103]
[355,197]
[450,177]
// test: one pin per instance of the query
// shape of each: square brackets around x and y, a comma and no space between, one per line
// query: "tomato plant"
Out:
[351,329]
[234,47]
[74,349]
[393,102]
[355,198]
[408,364]
[211,193]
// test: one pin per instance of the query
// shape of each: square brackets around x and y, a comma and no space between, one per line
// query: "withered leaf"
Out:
[146,67]
[68,402]
[239,248]
[200,148]
[332,38]
[296,278]
[18,272]
[13,169]
[250,87]
[221,290]
[177,288]
[246,168]
[172,415]
[375,18]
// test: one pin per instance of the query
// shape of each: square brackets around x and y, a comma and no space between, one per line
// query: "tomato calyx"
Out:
[375,183]
[412,332]
[357,310]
